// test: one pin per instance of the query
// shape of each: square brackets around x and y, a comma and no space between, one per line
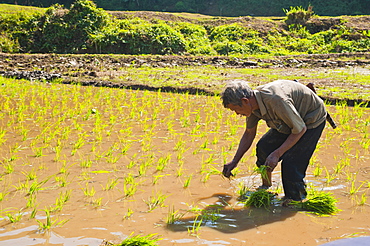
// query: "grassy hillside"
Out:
[84,28]
[14,9]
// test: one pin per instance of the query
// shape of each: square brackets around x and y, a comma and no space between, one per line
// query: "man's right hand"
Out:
[228,168]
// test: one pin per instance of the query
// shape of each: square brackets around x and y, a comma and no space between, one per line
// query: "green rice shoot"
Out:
[148,240]
[320,203]
[260,198]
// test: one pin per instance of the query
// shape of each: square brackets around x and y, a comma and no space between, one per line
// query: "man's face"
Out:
[245,109]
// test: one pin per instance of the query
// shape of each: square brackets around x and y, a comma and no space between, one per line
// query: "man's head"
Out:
[234,91]
[236,97]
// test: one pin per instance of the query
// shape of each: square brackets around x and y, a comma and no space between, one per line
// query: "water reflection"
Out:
[226,218]
[29,236]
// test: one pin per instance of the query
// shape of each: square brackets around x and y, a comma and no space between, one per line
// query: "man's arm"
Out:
[273,159]
[244,144]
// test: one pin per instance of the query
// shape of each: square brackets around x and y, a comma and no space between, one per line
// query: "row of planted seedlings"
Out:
[66,146]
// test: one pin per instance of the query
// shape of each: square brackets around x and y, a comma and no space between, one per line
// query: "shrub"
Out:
[227,48]
[67,31]
[297,15]
[231,32]
[196,38]
[147,38]
[7,44]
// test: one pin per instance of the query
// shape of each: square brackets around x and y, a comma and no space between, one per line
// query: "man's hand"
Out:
[272,161]
[228,168]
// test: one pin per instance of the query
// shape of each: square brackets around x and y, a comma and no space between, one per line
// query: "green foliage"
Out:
[84,28]
[139,241]
[11,9]
[67,31]
[298,15]
[222,7]
[232,32]
[7,44]
[158,38]
[236,39]
[260,198]
[196,38]
[321,203]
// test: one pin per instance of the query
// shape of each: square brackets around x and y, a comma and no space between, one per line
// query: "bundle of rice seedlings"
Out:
[148,240]
[260,198]
[321,203]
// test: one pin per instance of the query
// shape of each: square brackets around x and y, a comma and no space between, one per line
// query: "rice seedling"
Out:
[328,176]
[62,180]
[180,170]
[111,183]
[195,228]
[129,190]
[38,151]
[157,177]
[163,162]
[317,171]
[61,200]
[128,215]
[362,201]
[353,189]
[320,203]
[2,135]
[13,218]
[89,192]
[8,166]
[49,222]
[33,213]
[86,163]
[35,186]
[187,181]
[155,201]
[78,144]
[173,216]
[97,202]
[3,195]
[31,201]
[148,240]
[260,198]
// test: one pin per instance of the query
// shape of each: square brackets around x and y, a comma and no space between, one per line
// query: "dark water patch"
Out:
[226,218]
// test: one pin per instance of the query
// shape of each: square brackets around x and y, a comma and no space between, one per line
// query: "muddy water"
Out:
[106,150]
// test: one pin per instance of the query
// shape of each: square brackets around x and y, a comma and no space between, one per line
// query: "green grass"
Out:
[137,240]
[344,83]
[9,9]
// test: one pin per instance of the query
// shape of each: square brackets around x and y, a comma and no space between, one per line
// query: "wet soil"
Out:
[125,135]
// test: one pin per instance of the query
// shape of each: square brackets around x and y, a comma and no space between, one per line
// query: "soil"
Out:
[154,125]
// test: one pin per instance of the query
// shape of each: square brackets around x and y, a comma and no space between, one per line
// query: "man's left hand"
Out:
[272,161]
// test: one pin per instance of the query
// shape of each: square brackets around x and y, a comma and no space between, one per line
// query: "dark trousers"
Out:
[294,162]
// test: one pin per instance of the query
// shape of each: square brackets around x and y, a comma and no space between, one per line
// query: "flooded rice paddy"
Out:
[87,165]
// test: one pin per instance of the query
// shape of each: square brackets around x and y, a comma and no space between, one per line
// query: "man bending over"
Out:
[296,117]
